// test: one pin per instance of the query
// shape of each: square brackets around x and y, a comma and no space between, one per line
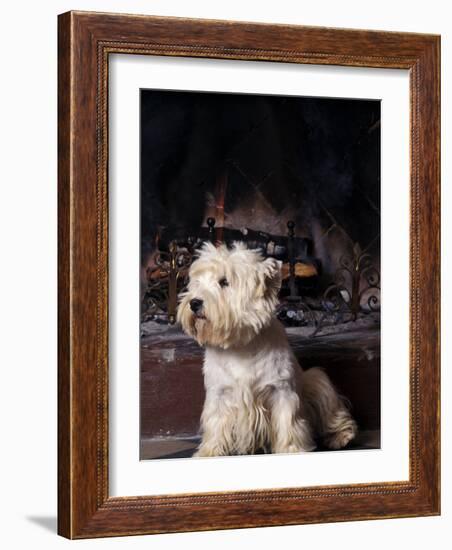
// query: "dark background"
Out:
[313,160]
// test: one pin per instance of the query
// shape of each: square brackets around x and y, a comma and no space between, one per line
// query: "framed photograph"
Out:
[248,275]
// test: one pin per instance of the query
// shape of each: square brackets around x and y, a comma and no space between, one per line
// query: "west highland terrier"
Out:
[257,396]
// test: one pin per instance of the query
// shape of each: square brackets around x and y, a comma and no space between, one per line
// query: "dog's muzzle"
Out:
[196,305]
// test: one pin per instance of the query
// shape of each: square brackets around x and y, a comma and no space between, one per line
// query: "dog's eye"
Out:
[223,282]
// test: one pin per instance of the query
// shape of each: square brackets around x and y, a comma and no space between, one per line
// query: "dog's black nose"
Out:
[195,305]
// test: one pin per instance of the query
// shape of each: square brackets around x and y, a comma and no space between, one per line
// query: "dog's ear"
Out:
[207,249]
[270,277]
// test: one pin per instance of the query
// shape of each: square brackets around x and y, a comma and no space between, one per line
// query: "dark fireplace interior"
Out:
[297,177]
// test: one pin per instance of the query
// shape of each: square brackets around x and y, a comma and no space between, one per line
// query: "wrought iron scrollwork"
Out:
[166,280]
[356,286]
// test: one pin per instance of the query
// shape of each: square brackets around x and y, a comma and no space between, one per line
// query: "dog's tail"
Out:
[326,410]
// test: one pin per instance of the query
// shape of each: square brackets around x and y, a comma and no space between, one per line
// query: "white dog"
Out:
[252,378]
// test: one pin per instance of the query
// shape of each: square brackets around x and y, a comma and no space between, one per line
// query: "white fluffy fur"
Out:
[257,396]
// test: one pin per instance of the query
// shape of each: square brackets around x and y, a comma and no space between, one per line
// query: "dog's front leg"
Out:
[217,423]
[289,432]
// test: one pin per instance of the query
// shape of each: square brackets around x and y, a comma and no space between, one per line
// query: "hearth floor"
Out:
[184,447]
[350,354]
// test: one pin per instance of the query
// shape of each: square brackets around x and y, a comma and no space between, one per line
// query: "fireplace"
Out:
[329,269]
[297,178]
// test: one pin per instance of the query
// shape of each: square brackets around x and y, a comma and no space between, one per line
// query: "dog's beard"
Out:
[195,324]
[202,329]
[225,334]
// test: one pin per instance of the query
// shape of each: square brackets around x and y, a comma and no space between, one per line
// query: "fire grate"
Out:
[354,291]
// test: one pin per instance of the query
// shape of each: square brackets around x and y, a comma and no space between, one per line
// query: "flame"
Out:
[222,183]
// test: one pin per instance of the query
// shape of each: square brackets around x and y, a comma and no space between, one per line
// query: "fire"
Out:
[222,183]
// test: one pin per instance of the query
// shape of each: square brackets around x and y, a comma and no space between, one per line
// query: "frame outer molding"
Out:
[85,41]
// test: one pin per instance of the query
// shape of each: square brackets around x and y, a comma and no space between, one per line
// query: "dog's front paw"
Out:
[294,448]
[207,451]
[200,453]
[289,449]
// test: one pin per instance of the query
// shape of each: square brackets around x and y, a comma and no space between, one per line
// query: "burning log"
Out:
[302,270]
[275,246]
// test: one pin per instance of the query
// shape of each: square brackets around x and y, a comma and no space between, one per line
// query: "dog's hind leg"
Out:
[289,432]
[326,410]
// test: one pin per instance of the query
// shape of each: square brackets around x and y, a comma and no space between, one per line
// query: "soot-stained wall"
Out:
[272,158]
